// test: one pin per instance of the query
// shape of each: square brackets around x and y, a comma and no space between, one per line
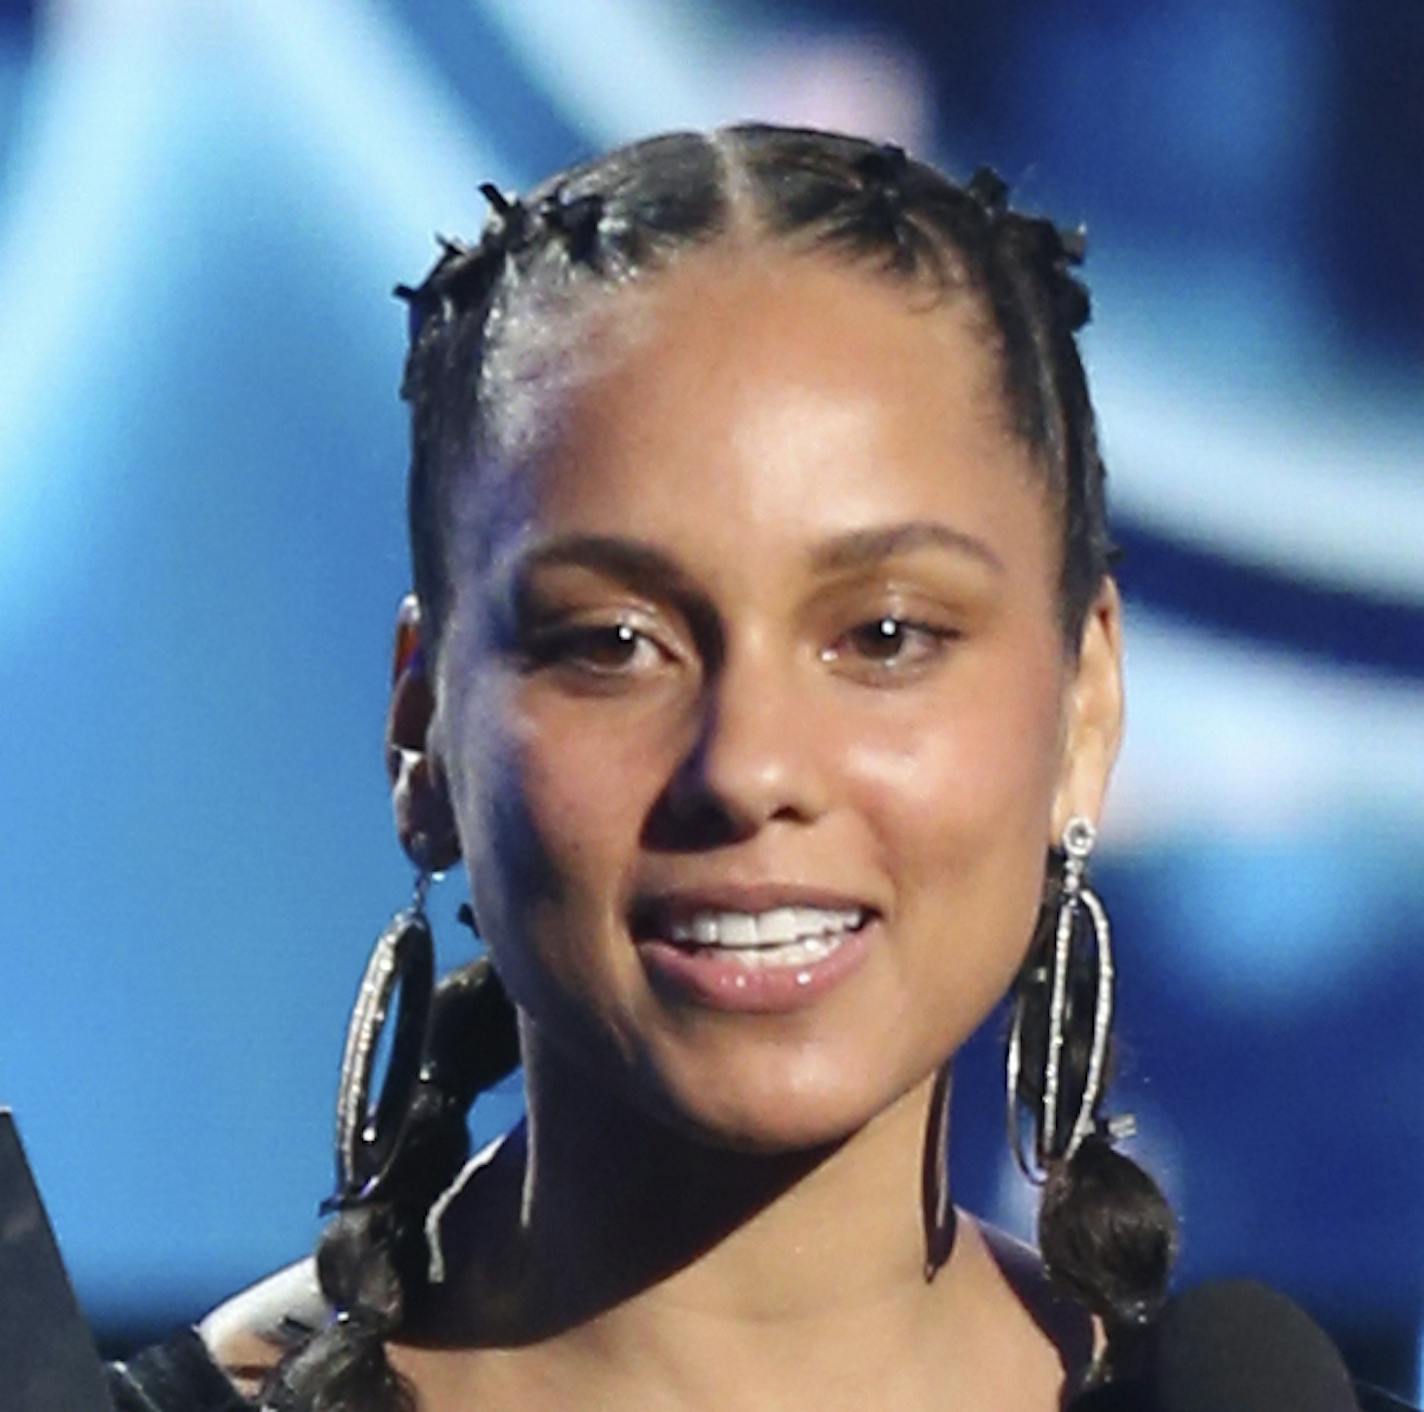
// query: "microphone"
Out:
[1232,1346]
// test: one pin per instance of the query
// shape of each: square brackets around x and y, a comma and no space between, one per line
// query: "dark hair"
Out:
[1106,1230]
[632,212]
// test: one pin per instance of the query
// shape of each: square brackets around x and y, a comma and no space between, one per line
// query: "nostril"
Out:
[683,820]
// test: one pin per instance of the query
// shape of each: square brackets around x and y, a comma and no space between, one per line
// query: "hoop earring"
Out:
[369,1138]
[1052,1143]
[938,1214]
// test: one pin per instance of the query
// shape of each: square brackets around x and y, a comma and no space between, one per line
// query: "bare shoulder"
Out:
[248,1334]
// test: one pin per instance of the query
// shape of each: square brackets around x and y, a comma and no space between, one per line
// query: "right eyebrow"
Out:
[632,562]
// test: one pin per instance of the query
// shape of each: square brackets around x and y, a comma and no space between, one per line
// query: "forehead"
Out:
[745,396]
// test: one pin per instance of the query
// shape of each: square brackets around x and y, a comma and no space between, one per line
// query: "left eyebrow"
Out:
[859,548]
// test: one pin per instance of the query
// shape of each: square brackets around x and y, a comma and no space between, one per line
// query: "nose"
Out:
[756,757]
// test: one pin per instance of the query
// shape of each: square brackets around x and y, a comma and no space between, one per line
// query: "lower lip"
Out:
[710,977]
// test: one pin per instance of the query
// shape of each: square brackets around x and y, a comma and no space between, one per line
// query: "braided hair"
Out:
[491,324]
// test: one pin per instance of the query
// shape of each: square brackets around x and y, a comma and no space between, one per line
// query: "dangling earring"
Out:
[940,1221]
[1053,1143]
[368,1139]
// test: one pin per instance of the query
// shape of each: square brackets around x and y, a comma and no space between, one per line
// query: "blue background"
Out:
[202,210]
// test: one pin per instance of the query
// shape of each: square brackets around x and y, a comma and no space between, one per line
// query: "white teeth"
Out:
[780,924]
[782,928]
[737,929]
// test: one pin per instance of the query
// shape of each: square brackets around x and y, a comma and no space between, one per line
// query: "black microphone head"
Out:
[1236,1346]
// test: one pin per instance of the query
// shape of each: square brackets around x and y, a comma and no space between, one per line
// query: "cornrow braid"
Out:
[373,1259]
[576,222]
[1040,305]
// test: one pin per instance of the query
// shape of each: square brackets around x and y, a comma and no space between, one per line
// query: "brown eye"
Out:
[888,645]
[605,649]
[884,640]
[600,649]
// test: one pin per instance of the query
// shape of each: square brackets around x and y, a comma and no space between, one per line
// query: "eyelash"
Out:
[578,647]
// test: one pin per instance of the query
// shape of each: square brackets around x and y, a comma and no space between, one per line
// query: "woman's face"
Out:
[756,719]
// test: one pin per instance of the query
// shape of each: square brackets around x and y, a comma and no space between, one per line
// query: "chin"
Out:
[755,1137]
[781,1108]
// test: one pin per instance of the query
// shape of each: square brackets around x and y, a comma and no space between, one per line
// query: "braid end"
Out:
[1108,1235]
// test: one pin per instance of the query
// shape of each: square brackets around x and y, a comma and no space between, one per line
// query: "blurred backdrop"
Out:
[203,205]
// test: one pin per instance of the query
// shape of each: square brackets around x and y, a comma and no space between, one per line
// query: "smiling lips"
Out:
[782,936]
[762,959]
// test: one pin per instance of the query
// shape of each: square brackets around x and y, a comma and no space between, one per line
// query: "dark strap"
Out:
[176,1376]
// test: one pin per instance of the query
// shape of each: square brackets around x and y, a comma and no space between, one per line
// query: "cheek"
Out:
[552,801]
[958,796]
[556,811]
[979,758]
[581,790]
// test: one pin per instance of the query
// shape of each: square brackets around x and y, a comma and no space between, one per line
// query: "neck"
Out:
[613,1254]
[645,1214]
[641,1248]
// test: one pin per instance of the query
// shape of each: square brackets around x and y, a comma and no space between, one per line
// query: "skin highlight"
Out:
[678,677]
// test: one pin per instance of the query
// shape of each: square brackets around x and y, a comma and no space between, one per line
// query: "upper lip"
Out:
[651,911]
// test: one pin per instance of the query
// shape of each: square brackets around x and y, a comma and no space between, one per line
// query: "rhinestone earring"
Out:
[369,1137]
[1056,1141]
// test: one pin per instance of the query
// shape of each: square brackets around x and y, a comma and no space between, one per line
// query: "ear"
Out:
[1092,726]
[425,822]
